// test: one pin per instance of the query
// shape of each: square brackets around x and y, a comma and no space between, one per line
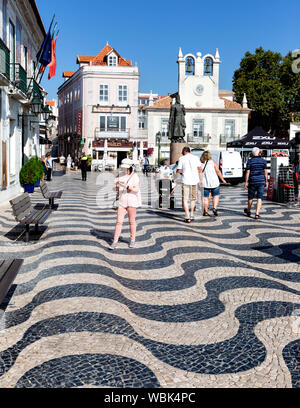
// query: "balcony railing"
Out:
[224,139]
[4,60]
[19,76]
[114,133]
[197,138]
[34,89]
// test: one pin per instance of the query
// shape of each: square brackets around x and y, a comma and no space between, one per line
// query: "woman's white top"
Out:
[210,177]
[131,198]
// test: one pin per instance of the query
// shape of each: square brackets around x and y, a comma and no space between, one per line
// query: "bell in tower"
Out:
[190,66]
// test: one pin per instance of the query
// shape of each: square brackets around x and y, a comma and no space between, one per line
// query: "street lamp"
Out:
[158,140]
[46,112]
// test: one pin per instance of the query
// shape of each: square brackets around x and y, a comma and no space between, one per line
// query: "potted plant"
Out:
[31,174]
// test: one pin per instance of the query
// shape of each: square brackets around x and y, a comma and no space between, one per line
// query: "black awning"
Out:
[260,138]
[44,141]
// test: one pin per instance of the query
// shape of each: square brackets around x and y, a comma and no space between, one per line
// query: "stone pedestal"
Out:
[176,152]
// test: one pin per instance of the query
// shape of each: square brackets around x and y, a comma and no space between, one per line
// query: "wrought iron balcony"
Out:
[114,133]
[19,76]
[4,60]
[198,138]
[224,139]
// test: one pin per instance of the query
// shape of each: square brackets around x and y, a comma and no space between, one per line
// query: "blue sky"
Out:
[150,33]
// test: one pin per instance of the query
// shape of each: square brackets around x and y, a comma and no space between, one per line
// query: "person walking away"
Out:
[256,180]
[211,176]
[43,160]
[69,162]
[83,167]
[145,165]
[189,167]
[49,164]
[128,186]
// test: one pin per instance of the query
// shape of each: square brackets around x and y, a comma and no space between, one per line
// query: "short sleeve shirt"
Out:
[189,165]
[132,198]
[257,166]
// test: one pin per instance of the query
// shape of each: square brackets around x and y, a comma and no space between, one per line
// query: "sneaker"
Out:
[113,246]
[132,244]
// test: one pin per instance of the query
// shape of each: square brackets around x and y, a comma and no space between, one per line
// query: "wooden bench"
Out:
[48,194]
[26,215]
[8,271]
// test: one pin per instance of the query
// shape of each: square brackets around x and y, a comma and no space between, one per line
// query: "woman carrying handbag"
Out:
[129,197]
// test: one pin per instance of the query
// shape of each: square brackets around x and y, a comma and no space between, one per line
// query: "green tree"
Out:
[271,87]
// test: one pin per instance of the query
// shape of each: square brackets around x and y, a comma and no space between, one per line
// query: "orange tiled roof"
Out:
[50,103]
[164,102]
[232,104]
[84,59]
[68,74]
[101,60]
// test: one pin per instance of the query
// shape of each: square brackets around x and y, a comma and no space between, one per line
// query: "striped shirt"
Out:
[257,166]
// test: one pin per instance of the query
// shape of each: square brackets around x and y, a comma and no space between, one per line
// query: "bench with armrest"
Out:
[49,195]
[26,215]
[8,272]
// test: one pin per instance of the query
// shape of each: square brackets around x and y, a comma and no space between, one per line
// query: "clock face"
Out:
[199,89]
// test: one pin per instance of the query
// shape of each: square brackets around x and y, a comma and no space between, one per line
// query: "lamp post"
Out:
[158,140]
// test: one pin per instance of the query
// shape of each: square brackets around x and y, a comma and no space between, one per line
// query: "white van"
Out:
[229,162]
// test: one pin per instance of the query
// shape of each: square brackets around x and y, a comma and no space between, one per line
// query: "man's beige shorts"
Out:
[189,192]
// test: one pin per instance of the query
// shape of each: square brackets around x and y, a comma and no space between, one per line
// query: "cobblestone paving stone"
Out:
[212,304]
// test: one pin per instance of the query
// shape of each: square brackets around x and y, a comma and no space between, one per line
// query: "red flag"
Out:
[52,65]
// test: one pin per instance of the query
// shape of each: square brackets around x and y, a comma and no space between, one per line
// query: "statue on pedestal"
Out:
[177,122]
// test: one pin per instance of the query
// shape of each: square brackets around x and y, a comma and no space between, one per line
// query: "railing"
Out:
[20,77]
[114,133]
[224,139]
[197,137]
[4,60]
[34,89]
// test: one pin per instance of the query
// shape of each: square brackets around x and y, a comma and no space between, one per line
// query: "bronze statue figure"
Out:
[177,122]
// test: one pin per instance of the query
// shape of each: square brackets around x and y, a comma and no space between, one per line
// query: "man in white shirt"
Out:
[189,167]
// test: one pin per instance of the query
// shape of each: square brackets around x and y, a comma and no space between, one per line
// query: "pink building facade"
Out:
[98,108]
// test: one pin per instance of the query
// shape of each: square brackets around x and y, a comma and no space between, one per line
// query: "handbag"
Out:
[115,204]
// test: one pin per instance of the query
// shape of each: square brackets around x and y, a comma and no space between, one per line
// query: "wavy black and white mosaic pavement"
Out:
[212,304]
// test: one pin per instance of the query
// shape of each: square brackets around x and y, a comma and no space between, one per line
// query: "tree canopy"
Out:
[272,90]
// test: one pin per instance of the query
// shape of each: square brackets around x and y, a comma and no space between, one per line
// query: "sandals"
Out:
[247,213]
[257,217]
[205,214]
[187,220]
[215,212]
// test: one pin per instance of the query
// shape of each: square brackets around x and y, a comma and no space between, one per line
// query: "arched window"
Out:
[190,66]
[208,66]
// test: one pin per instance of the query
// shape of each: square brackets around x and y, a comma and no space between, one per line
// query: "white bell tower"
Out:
[198,80]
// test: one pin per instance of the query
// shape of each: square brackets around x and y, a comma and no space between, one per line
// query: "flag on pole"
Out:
[52,65]
[44,55]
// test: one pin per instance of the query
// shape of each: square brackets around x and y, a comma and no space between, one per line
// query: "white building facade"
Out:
[213,118]
[21,35]
[98,106]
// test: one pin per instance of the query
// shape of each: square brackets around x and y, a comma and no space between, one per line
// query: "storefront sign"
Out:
[79,122]
[111,144]
[111,109]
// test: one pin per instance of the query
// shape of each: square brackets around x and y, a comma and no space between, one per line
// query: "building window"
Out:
[112,123]
[208,66]
[229,128]
[198,127]
[142,120]
[103,95]
[164,128]
[123,93]
[112,61]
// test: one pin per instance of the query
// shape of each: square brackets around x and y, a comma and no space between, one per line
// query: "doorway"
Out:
[121,156]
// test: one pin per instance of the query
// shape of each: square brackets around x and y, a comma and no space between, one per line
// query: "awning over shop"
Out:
[260,138]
